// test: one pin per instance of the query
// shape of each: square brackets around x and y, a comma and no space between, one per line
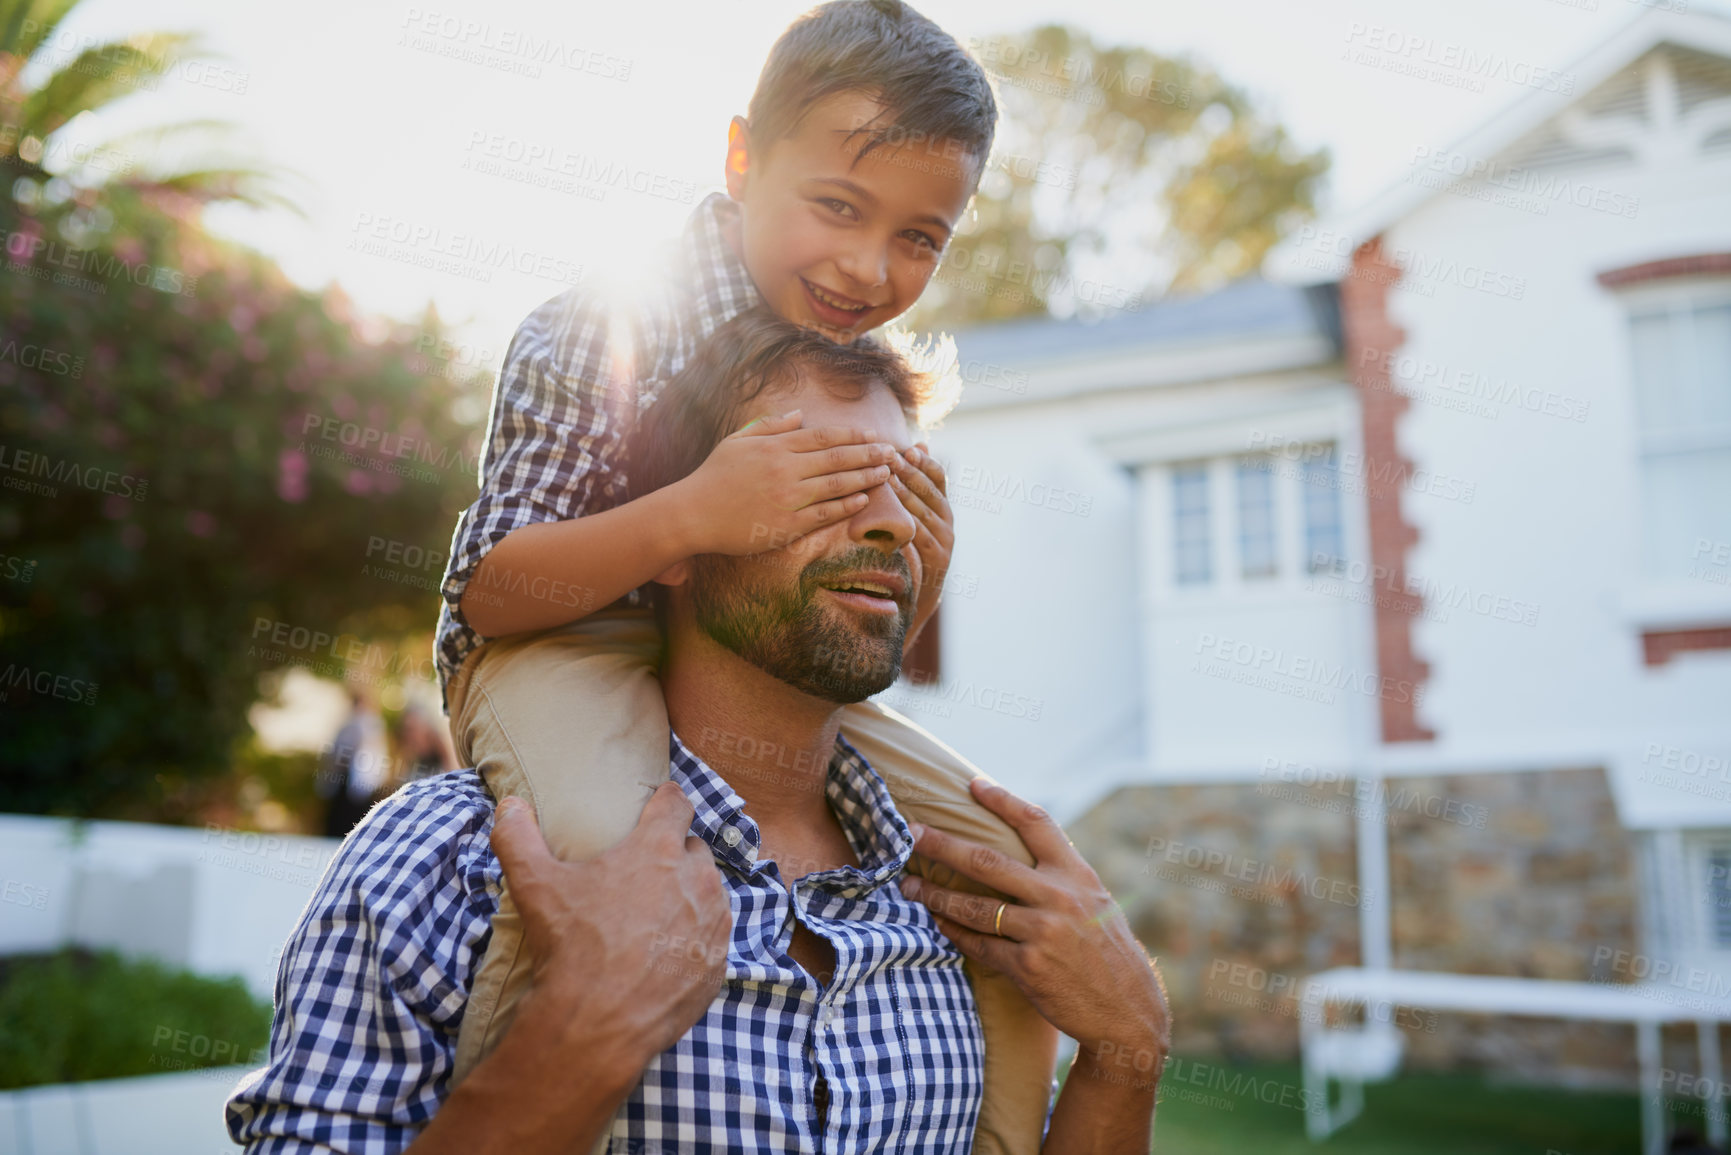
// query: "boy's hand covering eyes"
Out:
[920,483]
[771,483]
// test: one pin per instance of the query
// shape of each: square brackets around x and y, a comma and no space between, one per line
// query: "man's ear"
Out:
[738,157]
[676,574]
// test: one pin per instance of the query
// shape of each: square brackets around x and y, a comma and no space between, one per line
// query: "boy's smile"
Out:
[837,241]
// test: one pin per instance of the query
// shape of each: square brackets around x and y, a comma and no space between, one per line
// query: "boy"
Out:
[863,143]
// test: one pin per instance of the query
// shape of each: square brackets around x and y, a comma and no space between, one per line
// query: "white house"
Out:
[1447,496]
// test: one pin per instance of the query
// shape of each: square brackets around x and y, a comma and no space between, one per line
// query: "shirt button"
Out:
[731,835]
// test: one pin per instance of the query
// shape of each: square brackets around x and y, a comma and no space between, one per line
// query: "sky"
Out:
[419,137]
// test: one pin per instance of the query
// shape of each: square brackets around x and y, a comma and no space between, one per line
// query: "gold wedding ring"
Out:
[998,922]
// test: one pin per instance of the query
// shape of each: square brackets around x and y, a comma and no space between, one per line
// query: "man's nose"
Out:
[884,523]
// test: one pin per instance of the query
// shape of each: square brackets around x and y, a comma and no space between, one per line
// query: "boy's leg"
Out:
[573,720]
[929,783]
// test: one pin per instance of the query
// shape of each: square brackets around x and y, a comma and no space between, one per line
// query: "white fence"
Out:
[213,901]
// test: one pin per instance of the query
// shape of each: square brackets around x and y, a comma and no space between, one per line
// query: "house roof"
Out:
[1708,32]
[1275,326]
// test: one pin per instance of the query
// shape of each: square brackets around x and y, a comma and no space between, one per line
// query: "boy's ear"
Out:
[738,157]
[676,574]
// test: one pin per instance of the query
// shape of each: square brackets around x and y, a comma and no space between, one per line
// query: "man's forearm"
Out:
[1106,1107]
[530,1095]
[553,572]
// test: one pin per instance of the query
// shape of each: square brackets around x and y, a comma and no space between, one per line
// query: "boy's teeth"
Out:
[833,303]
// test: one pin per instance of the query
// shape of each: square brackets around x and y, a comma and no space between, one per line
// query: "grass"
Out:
[1215,1110]
[78,1015]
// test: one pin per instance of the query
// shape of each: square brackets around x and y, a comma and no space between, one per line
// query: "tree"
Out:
[206,473]
[1117,175]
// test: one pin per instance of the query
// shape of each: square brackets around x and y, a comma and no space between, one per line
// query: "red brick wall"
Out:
[1370,338]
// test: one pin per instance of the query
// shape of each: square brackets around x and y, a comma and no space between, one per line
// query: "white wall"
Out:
[1555,519]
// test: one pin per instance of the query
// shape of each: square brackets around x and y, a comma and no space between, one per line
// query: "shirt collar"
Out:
[721,287]
[856,794]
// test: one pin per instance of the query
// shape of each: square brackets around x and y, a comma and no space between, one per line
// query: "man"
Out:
[739,974]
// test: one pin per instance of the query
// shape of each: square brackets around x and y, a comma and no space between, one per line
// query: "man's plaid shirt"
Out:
[576,375]
[373,981]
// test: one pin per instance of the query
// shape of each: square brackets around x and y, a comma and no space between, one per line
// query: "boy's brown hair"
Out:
[933,90]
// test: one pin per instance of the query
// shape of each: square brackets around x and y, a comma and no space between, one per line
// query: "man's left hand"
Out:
[918,480]
[1061,939]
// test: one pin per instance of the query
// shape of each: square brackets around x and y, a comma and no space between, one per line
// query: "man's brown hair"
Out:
[754,352]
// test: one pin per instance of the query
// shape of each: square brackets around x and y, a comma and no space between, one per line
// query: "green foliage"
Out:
[1117,174]
[181,509]
[73,1016]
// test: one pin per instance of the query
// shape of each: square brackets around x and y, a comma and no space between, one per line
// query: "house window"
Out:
[1192,542]
[1718,897]
[1681,343]
[1324,546]
[1258,541]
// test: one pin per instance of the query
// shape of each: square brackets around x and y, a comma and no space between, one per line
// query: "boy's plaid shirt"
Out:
[373,982]
[575,377]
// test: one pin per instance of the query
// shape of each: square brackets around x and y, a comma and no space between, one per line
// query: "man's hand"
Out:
[920,483]
[771,483]
[628,951]
[632,946]
[1062,939]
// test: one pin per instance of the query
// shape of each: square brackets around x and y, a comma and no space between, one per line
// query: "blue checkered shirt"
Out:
[374,979]
[575,377]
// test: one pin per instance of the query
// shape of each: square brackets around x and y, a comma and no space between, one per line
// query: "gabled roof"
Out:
[1705,32]
[1250,325]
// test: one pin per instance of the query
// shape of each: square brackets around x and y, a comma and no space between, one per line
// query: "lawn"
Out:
[1220,1110]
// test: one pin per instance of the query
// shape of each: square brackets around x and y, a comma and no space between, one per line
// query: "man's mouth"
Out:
[877,593]
[833,308]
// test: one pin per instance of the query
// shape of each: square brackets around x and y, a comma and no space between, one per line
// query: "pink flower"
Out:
[291,475]
[200,523]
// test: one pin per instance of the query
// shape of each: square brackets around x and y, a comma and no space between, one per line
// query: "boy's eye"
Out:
[924,240]
[841,207]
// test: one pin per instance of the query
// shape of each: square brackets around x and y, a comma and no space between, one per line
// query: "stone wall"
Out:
[1242,890]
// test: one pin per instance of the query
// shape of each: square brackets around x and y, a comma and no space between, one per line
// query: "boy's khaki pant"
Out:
[574,721]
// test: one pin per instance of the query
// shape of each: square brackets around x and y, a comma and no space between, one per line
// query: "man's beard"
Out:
[792,635]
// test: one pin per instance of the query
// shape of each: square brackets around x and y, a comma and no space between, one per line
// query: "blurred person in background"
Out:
[355,764]
[423,745]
